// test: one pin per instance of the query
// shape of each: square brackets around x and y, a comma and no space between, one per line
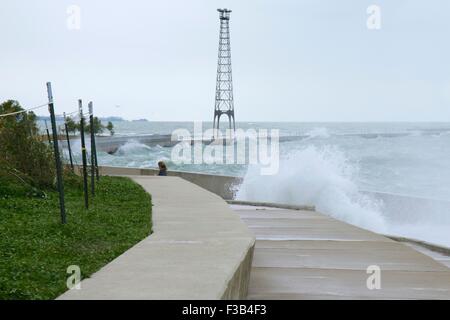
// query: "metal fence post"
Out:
[83,153]
[94,151]
[68,142]
[91,119]
[59,178]
[48,133]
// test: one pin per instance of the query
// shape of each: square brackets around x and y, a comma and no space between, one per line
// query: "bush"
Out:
[72,126]
[22,154]
[110,128]
[98,126]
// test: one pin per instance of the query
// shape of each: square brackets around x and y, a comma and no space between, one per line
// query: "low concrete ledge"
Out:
[200,249]
[430,246]
[271,205]
[224,186]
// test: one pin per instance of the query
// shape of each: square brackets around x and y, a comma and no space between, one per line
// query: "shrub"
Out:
[72,126]
[98,126]
[21,151]
[110,128]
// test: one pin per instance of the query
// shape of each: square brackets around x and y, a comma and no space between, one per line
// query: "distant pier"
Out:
[112,144]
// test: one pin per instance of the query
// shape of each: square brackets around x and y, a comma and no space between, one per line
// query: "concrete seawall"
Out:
[223,186]
[200,249]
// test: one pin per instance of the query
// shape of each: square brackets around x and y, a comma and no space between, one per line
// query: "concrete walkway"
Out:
[306,255]
[200,249]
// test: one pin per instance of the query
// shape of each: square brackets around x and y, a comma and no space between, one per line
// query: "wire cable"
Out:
[23,111]
[71,113]
[67,114]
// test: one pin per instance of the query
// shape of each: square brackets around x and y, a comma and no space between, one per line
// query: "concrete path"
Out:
[306,255]
[200,249]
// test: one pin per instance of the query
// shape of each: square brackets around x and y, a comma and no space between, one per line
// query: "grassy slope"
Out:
[35,249]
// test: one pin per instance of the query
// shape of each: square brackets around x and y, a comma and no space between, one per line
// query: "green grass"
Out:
[36,249]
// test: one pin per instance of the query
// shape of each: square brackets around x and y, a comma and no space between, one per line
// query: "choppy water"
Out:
[329,167]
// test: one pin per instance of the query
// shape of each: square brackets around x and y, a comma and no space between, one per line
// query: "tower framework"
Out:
[224,103]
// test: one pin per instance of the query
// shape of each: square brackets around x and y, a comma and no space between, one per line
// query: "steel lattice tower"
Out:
[224,84]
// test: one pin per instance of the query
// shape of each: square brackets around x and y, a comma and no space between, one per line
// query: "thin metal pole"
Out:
[83,153]
[91,119]
[94,149]
[214,126]
[48,134]
[59,178]
[96,162]
[68,142]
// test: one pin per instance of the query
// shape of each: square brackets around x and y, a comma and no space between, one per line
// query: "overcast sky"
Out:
[293,60]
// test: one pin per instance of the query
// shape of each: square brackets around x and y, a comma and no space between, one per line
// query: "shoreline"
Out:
[225,187]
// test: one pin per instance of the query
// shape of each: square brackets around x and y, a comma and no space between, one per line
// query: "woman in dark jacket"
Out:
[162,169]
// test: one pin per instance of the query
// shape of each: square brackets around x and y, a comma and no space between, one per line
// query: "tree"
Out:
[72,126]
[98,127]
[110,128]
[21,149]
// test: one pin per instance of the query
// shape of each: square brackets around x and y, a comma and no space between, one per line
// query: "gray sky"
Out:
[293,60]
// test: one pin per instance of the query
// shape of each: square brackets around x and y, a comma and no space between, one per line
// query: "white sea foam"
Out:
[325,178]
[133,147]
[320,177]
